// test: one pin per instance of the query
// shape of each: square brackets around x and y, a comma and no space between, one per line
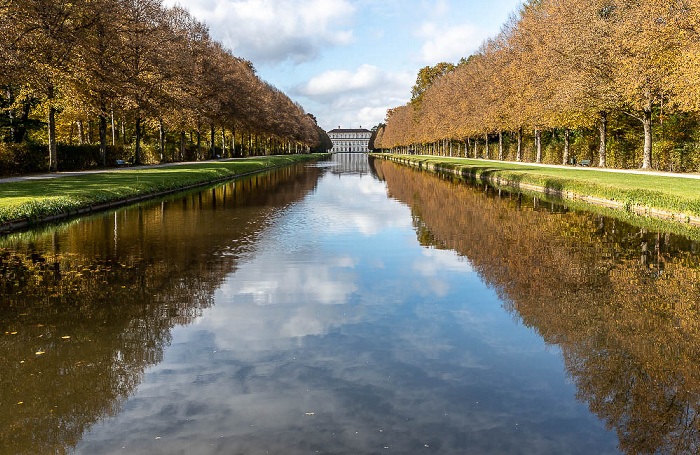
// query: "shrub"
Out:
[24,158]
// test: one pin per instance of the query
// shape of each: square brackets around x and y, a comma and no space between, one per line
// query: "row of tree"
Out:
[560,67]
[134,62]
[614,298]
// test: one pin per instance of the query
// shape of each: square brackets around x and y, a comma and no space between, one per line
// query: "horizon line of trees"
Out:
[615,81]
[76,72]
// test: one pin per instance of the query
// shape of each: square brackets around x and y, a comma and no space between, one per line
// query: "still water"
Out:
[348,307]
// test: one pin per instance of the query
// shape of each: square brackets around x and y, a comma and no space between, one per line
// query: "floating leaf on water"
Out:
[157,437]
[40,352]
[310,413]
[67,337]
[21,402]
[13,333]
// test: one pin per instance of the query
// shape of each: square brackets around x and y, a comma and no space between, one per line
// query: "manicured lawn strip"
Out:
[665,193]
[38,199]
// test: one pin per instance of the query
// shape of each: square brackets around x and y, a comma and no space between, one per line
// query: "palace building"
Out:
[350,140]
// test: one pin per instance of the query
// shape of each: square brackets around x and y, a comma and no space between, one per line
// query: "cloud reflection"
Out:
[338,333]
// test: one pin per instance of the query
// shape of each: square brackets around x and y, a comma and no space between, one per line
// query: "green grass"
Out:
[37,199]
[673,194]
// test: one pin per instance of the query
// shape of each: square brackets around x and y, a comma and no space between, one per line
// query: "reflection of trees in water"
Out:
[622,304]
[115,284]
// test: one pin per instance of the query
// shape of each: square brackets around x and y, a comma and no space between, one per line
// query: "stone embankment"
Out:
[494,178]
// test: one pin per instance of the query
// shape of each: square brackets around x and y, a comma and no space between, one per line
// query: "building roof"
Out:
[343,130]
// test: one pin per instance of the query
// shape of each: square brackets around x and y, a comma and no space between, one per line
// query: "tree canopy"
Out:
[138,61]
[561,65]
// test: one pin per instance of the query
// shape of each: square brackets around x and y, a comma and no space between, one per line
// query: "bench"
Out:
[586,163]
[121,163]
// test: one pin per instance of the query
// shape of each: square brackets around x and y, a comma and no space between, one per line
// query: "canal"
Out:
[350,306]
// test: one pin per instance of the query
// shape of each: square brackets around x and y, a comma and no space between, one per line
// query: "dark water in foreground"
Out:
[349,307]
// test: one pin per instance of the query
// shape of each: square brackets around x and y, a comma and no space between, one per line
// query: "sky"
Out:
[348,61]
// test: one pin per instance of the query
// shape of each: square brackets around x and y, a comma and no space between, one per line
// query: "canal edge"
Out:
[641,210]
[25,223]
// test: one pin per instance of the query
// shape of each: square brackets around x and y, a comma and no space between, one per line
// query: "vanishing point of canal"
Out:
[349,306]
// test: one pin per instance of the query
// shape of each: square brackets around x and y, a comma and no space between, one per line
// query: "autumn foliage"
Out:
[136,75]
[612,81]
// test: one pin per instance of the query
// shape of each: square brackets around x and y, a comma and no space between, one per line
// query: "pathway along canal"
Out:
[348,307]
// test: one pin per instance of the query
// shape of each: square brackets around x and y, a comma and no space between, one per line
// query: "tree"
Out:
[47,33]
[426,77]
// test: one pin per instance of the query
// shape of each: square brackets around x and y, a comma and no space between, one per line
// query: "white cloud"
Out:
[272,31]
[366,79]
[360,97]
[449,44]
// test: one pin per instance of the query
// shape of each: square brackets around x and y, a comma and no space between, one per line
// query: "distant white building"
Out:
[350,140]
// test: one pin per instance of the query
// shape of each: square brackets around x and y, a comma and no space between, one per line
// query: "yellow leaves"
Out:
[40,352]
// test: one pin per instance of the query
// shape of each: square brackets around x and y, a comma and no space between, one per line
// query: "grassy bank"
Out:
[652,194]
[35,200]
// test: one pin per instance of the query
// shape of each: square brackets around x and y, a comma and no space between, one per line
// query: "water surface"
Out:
[348,307]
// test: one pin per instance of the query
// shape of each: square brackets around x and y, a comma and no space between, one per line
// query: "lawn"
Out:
[36,199]
[675,194]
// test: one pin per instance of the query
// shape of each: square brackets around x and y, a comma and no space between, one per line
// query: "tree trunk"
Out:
[476,147]
[114,130]
[223,142]
[500,145]
[565,160]
[538,145]
[53,156]
[486,146]
[123,131]
[233,142]
[199,145]
[213,137]
[161,140]
[603,128]
[11,113]
[519,152]
[81,133]
[137,154]
[103,138]
[646,121]
[183,140]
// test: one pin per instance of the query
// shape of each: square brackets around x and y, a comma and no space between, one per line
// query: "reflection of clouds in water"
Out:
[401,376]
[275,297]
[432,260]
[434,263]
[291,286]
[283,279]
[315,320]
[356,204]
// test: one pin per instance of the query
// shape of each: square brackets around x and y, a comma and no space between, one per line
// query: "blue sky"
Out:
[348,61]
